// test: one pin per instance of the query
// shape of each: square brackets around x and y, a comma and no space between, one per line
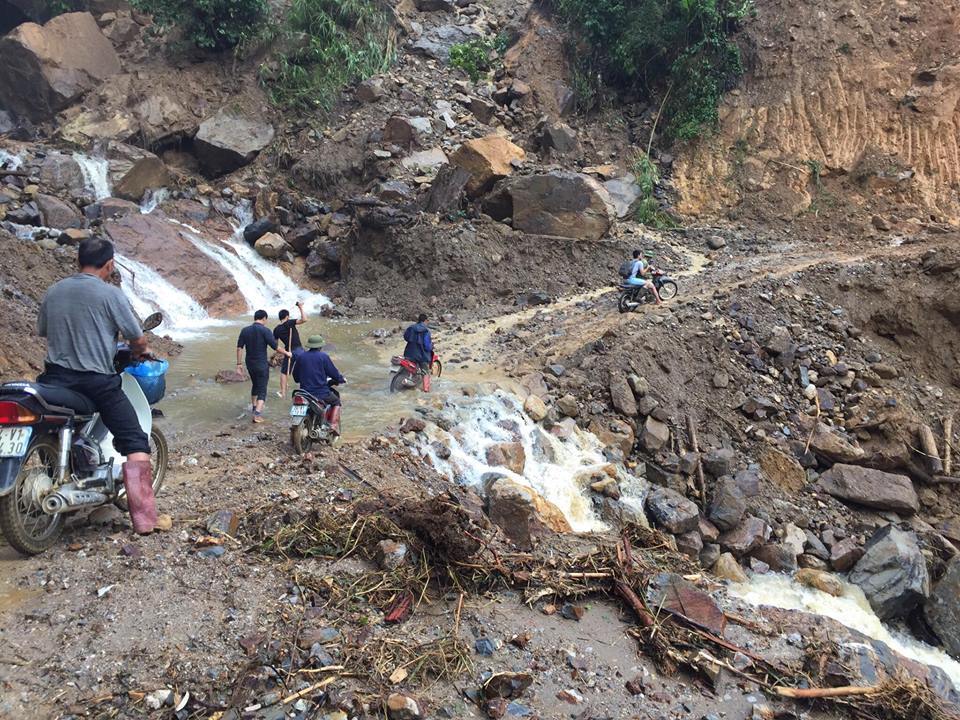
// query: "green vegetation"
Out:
[332,43]
[648,210]
[478,57]
[681,46]
[209,24]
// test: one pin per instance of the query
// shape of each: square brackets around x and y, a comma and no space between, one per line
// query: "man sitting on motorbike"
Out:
[640,273]
[314,370]
[419,348]
[81,317]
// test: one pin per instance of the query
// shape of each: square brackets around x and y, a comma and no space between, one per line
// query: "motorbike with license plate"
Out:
[314,422]
[57,456]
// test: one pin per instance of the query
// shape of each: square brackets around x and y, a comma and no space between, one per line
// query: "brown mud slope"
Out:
[861,91]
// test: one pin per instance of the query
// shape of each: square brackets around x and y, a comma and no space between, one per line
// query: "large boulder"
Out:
[57,213]
[45,68]
[272,246]
[509,455]
[621,395]
[133,171]
[871,488]
[892,573]
[487,159]
[62,174]
[727,506]
[229,140]
[942,609]
[672,511]
[522,513]
[561,204]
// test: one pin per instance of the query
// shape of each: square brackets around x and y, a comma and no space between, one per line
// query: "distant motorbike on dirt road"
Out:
[313,420]
[57,456]
[633,296]
[408,375]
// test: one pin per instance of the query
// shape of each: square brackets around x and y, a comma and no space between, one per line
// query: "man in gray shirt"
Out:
[81,317]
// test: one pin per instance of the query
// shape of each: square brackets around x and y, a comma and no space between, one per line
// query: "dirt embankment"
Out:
[846,108]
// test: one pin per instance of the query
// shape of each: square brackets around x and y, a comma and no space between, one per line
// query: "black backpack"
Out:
[626,270]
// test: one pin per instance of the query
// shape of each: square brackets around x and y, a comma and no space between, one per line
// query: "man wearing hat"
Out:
[314,370]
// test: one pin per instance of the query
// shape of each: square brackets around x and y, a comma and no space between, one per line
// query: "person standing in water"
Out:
[286,332]
[255,339]
[419,348]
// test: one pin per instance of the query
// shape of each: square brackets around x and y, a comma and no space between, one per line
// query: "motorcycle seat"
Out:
[53,395]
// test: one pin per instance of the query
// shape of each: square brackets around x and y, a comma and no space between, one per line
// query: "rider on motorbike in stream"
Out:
[419,348]
[640,271]
[315,372]
[81,317]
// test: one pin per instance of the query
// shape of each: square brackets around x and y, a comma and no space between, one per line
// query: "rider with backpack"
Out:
[637,271]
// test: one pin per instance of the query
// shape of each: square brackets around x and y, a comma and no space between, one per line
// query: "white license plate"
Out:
[298,411]
[14,441]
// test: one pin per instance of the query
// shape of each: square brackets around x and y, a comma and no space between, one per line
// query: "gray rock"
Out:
[672,511]
[655,434]
[560,204]
[892,573]
[845,554]
[718,461]
[871,488]
[690,544]
[778,556]
[621,395]
[436,43]
[746,537]
[624,193]
[727,506]
[942,609]
[228,140]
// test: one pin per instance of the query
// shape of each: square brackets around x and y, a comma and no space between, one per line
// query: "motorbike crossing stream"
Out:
[196,404]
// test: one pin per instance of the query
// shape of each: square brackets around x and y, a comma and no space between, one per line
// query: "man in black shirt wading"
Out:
[287,334]
[255,339]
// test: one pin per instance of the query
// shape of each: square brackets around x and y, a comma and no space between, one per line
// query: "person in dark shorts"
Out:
[81,317]
[287,334]
[255,339]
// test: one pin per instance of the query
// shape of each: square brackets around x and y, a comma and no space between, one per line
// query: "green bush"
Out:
[209,24]
[478,57]
[333,43]
[682,47]
[648,210]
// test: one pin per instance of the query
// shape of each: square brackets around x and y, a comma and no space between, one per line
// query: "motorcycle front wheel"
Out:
[300,435]
[28,529]
[159,457]
[668,290]
[399,380]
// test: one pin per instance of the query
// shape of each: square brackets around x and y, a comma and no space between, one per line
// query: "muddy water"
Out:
[851,610]
[196,406]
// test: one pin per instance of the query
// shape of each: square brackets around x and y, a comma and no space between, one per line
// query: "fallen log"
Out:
[695,446]
[814,693]
[630,597]
[929,444]
[947,444]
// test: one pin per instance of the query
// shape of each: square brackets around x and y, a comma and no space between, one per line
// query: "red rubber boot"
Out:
[333,419]
[426,382]
[138,481]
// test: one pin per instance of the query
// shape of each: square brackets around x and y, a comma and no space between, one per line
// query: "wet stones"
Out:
[819,580]
[272,246]
[728,568]
[521,513]
[871,488]
[942,609]
[535,408]
[892,573]
[509,455]
[567,406]
[745,537]
[672,511]
[227,141]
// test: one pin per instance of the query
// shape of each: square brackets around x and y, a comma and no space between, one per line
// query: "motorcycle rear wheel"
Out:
[159,458]
[624,301]
[300,435]
[399,379]
[28,529]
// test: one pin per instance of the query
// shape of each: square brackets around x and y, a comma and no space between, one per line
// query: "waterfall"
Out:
[95,175]
[148,292]
[9,161]
[262,284]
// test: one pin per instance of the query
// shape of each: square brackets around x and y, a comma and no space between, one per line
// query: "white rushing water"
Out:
[559,470]
[148,292]
[96,175]
[851,610]
[10,161]
[154,199]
